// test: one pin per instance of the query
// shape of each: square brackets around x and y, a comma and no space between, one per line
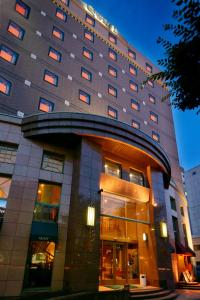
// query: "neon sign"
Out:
[99,17]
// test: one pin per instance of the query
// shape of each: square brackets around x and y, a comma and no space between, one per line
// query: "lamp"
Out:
[145,237]
[90,215]
[163,229]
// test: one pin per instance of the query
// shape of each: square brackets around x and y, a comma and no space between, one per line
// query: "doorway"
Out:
[119,262]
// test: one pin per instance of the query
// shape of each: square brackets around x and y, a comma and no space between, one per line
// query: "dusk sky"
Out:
[140,22]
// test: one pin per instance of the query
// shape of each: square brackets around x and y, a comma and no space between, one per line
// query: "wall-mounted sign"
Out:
[99,17]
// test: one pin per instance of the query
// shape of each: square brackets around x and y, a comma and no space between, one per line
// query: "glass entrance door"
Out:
[119,262]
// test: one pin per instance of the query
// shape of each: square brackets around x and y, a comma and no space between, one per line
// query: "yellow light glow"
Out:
[90,216]
[163,229]
[144,236]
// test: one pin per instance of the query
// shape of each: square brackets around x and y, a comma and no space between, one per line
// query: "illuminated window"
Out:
[90,20]
[53,162]
[47,202]
[89,36]
[150,83]
[133,86]
[50,77]
[86,74]
[136,177]
[148,68]
[5,86]
[135,124]
[16,30]
[135,105]
[58,33]
[155,136]
[112,91]
[112,71]
[112,112]
[112,54]
[153,117]
[54,54]
[8,54]
[132,70]
[87,53]
[131,54]
[112,168]
[5,183]
[152,99]
[45,105]
[112,38]
[22,9]
[8,153]
[84,97]
[60,14]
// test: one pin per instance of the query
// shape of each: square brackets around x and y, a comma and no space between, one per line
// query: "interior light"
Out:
[90,216]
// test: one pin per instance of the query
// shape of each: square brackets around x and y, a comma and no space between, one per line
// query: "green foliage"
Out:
[181,65]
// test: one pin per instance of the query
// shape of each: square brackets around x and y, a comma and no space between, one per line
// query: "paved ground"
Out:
[188,295]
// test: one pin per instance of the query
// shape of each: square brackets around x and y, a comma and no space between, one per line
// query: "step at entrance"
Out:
[156,293]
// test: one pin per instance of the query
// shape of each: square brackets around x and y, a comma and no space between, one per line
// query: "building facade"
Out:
[90,184]
[192,187]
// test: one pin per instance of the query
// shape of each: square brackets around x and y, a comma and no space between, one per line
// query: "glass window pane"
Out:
[5,183]
[49,193]
[8,153]
[53,162]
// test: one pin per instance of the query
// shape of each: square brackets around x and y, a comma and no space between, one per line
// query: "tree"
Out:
[181,65]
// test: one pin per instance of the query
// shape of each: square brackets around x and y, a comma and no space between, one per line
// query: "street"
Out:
[188,294]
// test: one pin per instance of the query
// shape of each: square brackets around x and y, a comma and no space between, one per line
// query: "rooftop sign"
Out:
[99,17]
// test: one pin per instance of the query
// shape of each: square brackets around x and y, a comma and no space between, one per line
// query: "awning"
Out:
[44,231]
[181,249]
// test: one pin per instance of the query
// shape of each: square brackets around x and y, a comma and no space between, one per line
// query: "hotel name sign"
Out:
[99,17]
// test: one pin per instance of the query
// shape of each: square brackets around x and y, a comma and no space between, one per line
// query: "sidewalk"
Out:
[188,295]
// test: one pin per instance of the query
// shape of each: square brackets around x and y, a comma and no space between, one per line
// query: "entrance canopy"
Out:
[43,231]
[181,249]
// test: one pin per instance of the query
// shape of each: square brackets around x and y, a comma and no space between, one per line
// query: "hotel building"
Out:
[90,184]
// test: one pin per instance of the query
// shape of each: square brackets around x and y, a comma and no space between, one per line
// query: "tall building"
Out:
[90,183]
[192,186]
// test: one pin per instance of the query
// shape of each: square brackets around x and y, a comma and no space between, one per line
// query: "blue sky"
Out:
[140,22]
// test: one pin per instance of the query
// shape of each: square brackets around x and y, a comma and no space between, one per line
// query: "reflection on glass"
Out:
[133,270]
[47,205]
[120,261]
[107,261]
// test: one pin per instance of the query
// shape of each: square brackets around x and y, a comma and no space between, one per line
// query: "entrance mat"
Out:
[120,287]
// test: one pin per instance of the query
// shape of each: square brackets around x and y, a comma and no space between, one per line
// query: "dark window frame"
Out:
[87,72]
[45,101]
[85,94]
[21,30]
[110,108]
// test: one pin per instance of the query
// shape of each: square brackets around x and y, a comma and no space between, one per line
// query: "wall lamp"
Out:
[145,237]
[90,216]
[163,230]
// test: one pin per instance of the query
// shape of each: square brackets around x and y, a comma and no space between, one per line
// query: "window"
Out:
[53,162]
[182,211]
[54,54]
[47,202]
[50,77]
[112,54]
[5,183]
[148,68]
[175,228]
[45,105]
[5,86]
[16,30]
[150,83]
[152,99]
[112,71]
[196,247]
[112,38]
[135,105]
[86,74]
[135,124]
[112,91]
[132,70]
[60,14]
[112,168]
[155,136]
[133,86]
[84,97]
[89,36]
[8,54]
[173,203]
[136,177]
[8,153]
[66,2]
[153,117]
[131,54]
[87,53]
[112,112]
[58,33]
[22,9]
[90,20]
